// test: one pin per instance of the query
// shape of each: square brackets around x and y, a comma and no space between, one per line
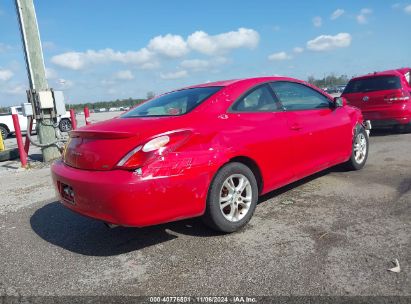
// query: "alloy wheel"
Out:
[360,148]
[235,197]
[65,125]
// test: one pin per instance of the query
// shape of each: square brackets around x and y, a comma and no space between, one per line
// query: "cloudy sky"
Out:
[104,50]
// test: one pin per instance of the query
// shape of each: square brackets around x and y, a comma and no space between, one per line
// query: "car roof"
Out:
[397,72]
[252,80]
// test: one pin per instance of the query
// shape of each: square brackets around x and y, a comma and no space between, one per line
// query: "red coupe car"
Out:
[208,150]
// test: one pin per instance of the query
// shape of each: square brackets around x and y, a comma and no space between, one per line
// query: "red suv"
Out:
[383,97]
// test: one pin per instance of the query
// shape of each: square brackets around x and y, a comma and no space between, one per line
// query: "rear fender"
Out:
[359,126]
[357,120]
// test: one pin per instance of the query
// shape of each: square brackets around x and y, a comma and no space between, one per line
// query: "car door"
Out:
[261,133]
[321,132]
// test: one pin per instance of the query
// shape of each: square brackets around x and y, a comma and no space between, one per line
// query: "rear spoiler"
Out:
[101,134]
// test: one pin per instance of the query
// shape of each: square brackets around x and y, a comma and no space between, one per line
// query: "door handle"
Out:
[296,127]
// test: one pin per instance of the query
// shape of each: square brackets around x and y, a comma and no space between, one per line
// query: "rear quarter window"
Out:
[369,84]
[408,77]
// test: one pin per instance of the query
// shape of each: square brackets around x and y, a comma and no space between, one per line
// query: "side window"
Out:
[259,99]
[408,77]
[295,96]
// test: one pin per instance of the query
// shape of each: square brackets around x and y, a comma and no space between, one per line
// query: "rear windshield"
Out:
[173,104]
[378,83]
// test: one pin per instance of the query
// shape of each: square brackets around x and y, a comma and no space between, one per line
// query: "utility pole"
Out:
[36,73]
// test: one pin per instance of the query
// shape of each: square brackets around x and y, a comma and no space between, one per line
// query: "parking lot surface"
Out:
[334,233]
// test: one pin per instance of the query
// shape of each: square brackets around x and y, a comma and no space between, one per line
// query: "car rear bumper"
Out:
[388,116]
[368,127]
[128,199]
[391,122]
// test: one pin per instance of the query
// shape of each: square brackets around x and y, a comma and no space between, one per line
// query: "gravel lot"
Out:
[334,233]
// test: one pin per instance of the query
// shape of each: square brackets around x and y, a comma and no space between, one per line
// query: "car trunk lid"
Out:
[102,145]
[375,100]
[98,150]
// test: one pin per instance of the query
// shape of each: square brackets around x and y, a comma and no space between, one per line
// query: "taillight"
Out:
[156,147]
[399,96]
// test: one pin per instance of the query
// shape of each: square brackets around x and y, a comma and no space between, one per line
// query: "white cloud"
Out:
[6,74]
[174,75]
[18,89]
[195,64]
[51,73]
[366,11]
[151,65]
[70,60]
[362,18]
[328,42]
[79,60]
[201,64]
[222,43]
[64,84]
[172,46]
[317,21]
[124,75]
[48,45]
[405,7]
[279,56]
[337,14]
[298,50]
[5,47]
[107,82]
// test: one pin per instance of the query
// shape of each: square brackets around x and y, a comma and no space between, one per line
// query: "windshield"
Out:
[378,83]
[173,104]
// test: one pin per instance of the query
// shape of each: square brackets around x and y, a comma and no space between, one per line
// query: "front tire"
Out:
[4,132]
[232,198]
[65,125]
[360,148]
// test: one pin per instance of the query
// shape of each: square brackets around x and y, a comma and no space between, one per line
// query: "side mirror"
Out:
[340,102]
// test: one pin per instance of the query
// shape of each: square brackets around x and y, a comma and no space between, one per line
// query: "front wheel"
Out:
[232,198]
[359,152]
[65,125]
[4,132]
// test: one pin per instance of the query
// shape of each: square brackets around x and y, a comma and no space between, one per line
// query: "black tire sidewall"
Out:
[213,216]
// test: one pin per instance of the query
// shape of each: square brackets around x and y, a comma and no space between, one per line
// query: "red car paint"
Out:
[280,146]
[383,104]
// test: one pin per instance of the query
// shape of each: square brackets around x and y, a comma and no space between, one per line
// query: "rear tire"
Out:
[232,198]
[4,132]
[359,153]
